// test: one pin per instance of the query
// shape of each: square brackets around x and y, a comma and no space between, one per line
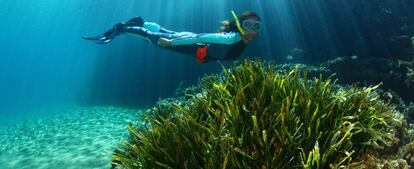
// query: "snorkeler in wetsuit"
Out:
[228,44]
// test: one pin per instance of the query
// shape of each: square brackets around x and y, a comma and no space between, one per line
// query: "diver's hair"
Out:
[230,26]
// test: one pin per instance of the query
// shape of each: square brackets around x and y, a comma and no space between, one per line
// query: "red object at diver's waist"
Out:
[201,54]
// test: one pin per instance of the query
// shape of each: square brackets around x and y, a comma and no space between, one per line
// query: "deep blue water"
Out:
[45,65]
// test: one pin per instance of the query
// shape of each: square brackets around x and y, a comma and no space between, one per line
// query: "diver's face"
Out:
[251,28]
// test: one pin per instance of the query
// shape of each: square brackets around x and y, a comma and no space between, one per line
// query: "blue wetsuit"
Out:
[219,46]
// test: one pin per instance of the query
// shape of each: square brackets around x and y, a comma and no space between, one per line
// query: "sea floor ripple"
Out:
[79,138]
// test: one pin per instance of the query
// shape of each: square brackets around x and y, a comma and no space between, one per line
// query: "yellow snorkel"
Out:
[237,23]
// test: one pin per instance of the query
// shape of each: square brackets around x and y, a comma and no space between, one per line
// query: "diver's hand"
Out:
[164,42]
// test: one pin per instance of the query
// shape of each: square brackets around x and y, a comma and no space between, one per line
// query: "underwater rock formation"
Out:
[396,75]
[255,116]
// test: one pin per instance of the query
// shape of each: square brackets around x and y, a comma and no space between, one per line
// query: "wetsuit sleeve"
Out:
[214,38]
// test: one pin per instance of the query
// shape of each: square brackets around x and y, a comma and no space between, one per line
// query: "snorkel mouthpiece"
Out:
[238,23]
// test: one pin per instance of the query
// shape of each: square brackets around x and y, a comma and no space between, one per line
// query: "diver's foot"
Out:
[136,21]
[109,35]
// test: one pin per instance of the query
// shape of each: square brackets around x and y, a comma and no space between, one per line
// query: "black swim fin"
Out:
[109,35]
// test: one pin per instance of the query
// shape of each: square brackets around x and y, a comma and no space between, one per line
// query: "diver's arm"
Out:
[212,38]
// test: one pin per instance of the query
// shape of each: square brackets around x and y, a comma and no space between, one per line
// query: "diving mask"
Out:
[251,25]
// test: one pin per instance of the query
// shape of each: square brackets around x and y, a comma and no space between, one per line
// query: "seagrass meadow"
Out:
[253,115]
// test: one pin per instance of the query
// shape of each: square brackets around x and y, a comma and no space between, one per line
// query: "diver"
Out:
[228,44]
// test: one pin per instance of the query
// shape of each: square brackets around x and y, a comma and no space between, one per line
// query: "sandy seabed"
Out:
[77,139]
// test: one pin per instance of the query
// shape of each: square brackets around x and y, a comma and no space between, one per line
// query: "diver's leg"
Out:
[155,27]
[152,26]
[163,30]
[148,34]
[136,30]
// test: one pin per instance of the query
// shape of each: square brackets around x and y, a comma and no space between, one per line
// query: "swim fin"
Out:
[109,35]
